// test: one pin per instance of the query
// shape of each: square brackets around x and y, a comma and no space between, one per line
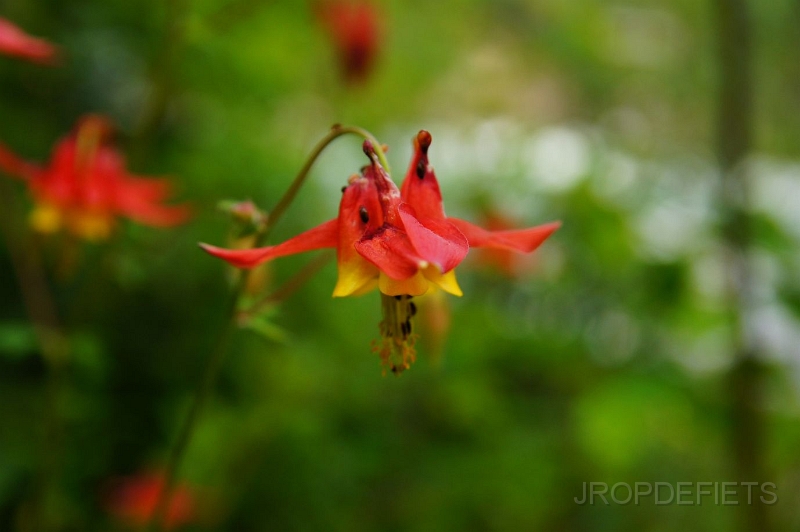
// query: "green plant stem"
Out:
[287,289]
[42,312]
[163,77]
[210,374]
[735,132]
[217,357]
[335,132]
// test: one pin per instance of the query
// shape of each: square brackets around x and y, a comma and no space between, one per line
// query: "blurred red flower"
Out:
[354,27]
[86,186]
[132,501]
[15,42]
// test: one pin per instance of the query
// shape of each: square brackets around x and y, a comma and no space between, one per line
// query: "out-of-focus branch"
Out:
[734,141]
[43,315]
[163,79]
[288,288]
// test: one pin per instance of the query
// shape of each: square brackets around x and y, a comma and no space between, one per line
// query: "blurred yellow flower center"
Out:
[47,219]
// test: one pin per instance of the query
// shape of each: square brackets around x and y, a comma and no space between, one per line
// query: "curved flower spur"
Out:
[398,240]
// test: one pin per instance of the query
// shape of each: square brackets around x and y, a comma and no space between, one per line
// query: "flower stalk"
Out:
[42,312]
[235,317]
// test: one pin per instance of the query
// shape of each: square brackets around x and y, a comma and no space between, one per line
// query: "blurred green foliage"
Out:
[608,362]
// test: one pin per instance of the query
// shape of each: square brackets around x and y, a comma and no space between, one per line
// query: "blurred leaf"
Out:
[17,340]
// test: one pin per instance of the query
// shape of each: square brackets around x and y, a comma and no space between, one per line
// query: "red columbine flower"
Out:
[86,186]
[382,243]
[354,29]
[400,242]
[133,500]
[15,42]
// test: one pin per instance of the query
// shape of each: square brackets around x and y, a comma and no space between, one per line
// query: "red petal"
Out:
[323,236]
[154,214]
[139,200]
[437,241]
[359,213]
[391,251]
[14,165]
[521,240]
[420,188]
[388,193]
[15,42]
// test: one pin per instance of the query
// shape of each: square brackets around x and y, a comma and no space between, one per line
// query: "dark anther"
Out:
[395,369]
[364,214]
[405,328]
[399,298]
[343,189]
[421,169]
[412,308]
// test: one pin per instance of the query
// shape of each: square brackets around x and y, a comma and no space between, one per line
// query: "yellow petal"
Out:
[413,286]
[446,282]
[356,276]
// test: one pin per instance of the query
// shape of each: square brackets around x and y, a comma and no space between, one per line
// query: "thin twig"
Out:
[42,312]
[335,132]
[288,288]
[217,357]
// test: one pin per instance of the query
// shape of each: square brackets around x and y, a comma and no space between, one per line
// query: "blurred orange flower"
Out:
[354,27]
[132,501]
[86,186]
[15,42]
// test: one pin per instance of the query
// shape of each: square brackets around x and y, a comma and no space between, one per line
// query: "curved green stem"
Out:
[335,132]
[217,358]
[210,374]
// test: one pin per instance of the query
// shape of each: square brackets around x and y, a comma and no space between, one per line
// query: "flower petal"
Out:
[139,201]
[15,166]
[416,285]
[359,212]
[356,276]
[323,236]
[445,281]
[521,240]
[420,187]
[15,42]
[437,241]
[392,252]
